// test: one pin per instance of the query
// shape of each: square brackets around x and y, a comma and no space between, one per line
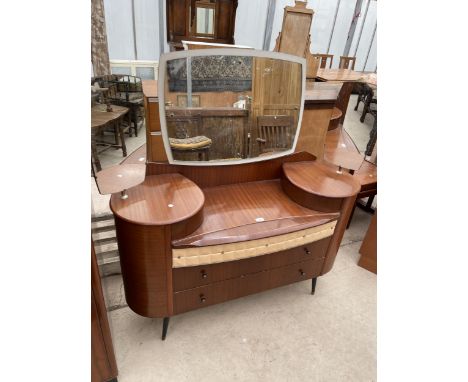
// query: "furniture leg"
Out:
[358,98]
[314,283]
[165,325]
[95,154]
[135,119]
[372,139]
[116,126]
[122,138]
[129,118]
[368,206]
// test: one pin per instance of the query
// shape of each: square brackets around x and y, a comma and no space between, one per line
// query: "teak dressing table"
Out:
[197,233]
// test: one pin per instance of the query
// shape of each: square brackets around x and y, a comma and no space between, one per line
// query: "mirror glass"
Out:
[205,21]
[230,108]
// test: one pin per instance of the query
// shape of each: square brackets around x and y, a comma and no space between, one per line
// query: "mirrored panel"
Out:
[236,107]
[205,21]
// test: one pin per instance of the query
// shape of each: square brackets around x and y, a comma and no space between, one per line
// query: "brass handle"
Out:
[202,298]
[204,275]
[301,272]
[307,251]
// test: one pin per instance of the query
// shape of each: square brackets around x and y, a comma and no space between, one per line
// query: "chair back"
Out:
[182,127]
[323,59]
[346,61]
[274,132]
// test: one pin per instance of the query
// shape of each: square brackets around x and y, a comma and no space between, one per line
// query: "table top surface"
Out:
[100,117]
[120,177]
[342,75]
[159,200]
[321,179]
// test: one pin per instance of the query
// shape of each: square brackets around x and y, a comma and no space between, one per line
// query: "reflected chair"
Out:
[186,140]
[346,61]
[323,59]
[274,133]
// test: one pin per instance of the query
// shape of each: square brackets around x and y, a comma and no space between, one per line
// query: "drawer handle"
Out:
[202,298]
[306,251]
[203,274]
[301,272]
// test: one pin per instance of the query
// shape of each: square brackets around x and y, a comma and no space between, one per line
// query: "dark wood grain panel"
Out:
[346,209]
[245,285]
[103,364]
[160,200]
[368,250]
[321,179]
[192,277]
[146,263]
[211,176]
[254,208]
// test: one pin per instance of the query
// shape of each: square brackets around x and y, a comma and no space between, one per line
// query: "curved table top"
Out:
[321,179]
[159,200]
[120,177]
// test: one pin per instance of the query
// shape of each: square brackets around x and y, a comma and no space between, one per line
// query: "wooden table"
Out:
[348,78]
[100,118]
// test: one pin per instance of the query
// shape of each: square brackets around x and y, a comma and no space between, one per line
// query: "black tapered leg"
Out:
[165,325]
[314,283]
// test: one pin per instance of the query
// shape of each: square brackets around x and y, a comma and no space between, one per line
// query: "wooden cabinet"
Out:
[182,21]
[103,365]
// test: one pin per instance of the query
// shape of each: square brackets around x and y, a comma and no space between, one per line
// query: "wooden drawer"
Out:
[295,272]
[245,285]
[218,292]
[192,277]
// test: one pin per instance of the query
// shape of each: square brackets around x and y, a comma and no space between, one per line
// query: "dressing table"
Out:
[197,232]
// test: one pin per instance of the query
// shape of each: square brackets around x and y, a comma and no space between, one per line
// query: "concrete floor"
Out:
[280,335]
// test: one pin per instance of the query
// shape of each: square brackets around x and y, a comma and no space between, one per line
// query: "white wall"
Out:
[250,28]
[119,26]
[250,23]
[147,29]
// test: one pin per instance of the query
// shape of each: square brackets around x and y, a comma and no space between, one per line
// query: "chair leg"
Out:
[122,139]
[165,326]
[135,120]
[372,139]
[314,283]
[95,155]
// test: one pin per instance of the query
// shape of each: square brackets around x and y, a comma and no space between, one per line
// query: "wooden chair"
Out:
[345,61]
[274,133]
[370,98]
[125,90]
[184,141]
[323,59]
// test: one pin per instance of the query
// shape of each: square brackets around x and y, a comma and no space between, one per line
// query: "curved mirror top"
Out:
[229,106]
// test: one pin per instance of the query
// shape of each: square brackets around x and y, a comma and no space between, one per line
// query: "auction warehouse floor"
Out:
[284,334]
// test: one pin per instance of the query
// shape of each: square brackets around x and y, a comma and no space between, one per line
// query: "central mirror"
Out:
[226,106]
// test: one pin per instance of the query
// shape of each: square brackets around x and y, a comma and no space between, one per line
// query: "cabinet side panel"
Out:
[145,258]
[340,228]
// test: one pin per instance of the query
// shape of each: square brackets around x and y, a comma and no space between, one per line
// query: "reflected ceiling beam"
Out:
[333,27]
[362,27]
[162,26]
[352,27]
[269,24]
[370,45]
[134,31]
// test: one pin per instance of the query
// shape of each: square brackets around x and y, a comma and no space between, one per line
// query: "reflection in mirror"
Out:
[239,107]
[205,21]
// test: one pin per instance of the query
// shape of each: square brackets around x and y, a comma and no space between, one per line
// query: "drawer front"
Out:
[218,292]
[295,272]
[245,285]
[192,277]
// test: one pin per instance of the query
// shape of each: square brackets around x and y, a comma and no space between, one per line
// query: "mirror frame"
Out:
[162,76]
